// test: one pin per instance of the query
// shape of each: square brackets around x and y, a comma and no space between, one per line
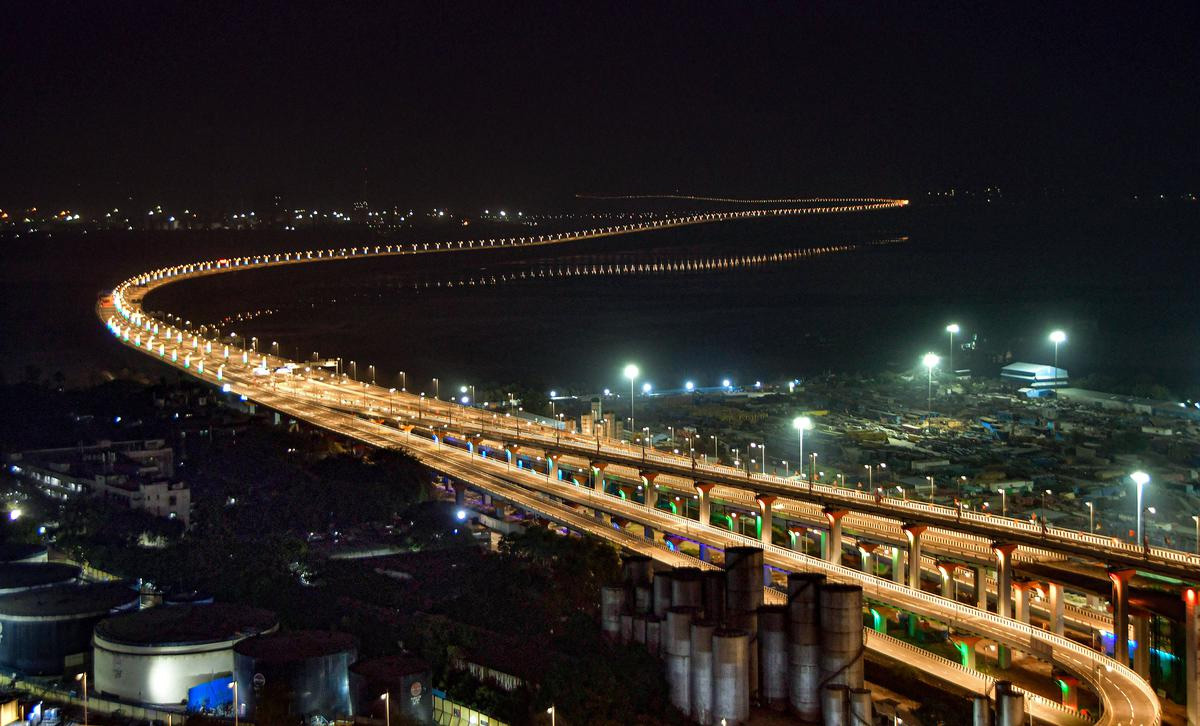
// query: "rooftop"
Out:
[15,575]
[81,600]
[186,624]
[295,645]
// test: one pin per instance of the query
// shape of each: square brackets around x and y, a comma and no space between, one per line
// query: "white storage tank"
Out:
[154,656]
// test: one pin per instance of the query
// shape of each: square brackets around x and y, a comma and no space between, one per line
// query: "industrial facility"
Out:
[20,576]
[310,669]
[48,630]
[396,687]
[173,654]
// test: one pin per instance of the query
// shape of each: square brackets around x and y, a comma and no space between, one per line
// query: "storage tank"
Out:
[39,628]
[861,709]
[835,705]
[639,629]
[677,651]
[19,576]
[714,595]
[773,656]
[842,635]
[743,598]
[804,644]
[654,628]
[643,599]
[612,602]
[731,676]
[156,655]
[637,570]
[17,552]
[305,671]
[687,587]
[700,681]
[662,594]
[407,681]
[981,710]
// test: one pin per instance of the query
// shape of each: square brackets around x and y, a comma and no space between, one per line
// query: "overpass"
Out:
[377,416]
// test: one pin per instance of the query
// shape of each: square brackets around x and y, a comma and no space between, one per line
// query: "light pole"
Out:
[715,457]
[403,381]
[1057,337]
[236,705]
[930,361]
[387,708]
[631,372]
[1140,478]
[929,478]
[802,424]
[952,328]
[870,476]
[812,471]
[83,677]
[1044,493]
[552,715]
[1196,519]
[1004,503]
[1091,517]
[437,388]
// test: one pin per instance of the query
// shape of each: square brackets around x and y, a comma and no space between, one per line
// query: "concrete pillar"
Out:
[1055,603]
[1023,596]
[460,494]
[898,565]
[648,488]
[598,468]
[703,552]
[767,521]
[1141,653]
[795,531]
[913,532]
[867,551]
[702,491]
[1191,654]
[648,532]
[947,570]
[981,599]
[966,649]
[487,500]
[833,549]
[552,469]
[1120,604]
[1070,691]
[1004,569]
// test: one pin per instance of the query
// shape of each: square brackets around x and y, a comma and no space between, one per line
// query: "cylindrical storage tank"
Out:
[637,570]
[20,576]
[842,635]
[662,594]
[17,552]
[626,628]
[743,598]
[612,602]
[773,656]
[639,629]
[834,705]
[677,651]
[804,644]
[43,626]
[407,681]
[731,676]
[191,597]
[700,682]
[687,587]
[156,655]
[981,710]
[1010,708]
[308,670]
[861,709]
[654,628]
[714,595]
[643,599]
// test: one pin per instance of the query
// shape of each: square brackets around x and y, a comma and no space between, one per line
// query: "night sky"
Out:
[212,103]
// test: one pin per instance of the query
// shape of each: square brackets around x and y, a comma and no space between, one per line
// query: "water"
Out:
[1119,280]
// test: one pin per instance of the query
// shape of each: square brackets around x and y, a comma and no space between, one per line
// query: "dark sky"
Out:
[526,103]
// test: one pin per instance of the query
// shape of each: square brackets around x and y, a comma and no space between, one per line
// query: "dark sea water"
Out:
[1121,281]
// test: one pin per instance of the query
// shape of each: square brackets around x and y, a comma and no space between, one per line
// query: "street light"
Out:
[1140,478]
[552,714]
[802,424]
[952,329]
[930,361]
[236,705]
[1057,337]
[387,708]
[631,372]
[1044,493]
[715,457]
[83,677]
[929,479]
[1196,519]
[1091,517]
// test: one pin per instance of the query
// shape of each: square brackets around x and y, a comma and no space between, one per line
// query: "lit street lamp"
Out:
[802,424]
[1140,478]
[236,705]
[387,708]
[83,677]
[930,361]
[715,457]
[1057,337]
[952,329]
[1091,516]
[631,372]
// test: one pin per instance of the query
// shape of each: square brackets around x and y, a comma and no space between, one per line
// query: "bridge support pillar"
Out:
[947,570]
[487,500]
[1023,595]
[552,469]
[866,551]
[598,468]
[705,502]
[914,532]
[966,649]
[833,549]
[703,552]
[1056,604]
[1004,571]
[1141,636]
[981,598]
[1120,605]
[898,565]
[766,521]
[460,494]
[1070,691]
[648,532]
[649,490]
[1191,672]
